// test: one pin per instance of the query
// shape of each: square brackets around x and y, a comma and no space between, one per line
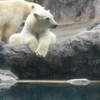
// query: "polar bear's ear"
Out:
[43,7]
[32,6]
[49,10]
[35,15]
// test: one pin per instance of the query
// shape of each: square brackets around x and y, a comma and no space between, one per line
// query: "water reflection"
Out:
[51,92]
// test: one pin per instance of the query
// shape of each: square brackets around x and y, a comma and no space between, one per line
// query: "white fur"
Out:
[36,33]
[12,12]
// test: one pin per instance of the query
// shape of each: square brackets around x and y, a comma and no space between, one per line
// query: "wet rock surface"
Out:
[77,56]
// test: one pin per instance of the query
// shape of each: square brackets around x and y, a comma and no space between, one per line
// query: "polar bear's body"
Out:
[12,12]
[36,32]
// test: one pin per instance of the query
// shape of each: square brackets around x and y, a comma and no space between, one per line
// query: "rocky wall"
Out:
[72,11]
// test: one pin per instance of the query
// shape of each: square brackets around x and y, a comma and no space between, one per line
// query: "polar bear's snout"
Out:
[53,23]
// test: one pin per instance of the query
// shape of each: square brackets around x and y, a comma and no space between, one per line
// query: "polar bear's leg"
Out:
[15,39]
[32,42]
[12,27]
[44,42]
[53,38]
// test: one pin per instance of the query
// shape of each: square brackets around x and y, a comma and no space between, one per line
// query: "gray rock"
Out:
[74,57]
[94,26]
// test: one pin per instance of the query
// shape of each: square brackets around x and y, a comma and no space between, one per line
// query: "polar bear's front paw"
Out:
[41,51]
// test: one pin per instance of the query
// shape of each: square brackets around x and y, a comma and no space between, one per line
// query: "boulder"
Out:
[77,56]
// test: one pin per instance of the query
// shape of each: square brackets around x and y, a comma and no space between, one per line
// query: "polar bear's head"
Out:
[44,19]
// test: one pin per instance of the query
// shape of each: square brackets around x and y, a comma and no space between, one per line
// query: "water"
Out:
[31,91]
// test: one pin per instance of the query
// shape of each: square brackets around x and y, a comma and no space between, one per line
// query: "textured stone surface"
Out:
[94,26]
[74,57]
[71,11]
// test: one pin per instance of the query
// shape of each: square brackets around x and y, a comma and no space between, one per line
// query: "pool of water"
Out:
[29,91]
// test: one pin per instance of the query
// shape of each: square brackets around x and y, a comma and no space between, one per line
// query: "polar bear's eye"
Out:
[47,18]
[32,6]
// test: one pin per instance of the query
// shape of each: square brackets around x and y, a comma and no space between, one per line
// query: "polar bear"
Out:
[12,12]
[36,32]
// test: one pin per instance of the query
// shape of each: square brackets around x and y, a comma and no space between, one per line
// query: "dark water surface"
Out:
[51,92]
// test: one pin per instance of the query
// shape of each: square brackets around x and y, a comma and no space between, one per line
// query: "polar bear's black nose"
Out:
[54,26]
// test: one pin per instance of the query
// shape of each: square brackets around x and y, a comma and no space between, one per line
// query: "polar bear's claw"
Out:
[41,52]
